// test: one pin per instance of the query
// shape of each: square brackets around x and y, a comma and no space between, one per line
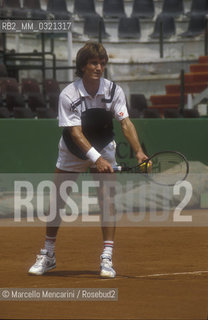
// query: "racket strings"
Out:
[170,165]
[168,168]
[164,168]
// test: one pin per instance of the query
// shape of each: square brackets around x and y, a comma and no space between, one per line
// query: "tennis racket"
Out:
[163,168]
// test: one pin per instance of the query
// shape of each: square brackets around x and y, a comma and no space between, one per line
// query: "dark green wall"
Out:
[32,145]
[28,145]
[188,136]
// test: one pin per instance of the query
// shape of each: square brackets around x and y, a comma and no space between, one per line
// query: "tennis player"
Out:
[86,111]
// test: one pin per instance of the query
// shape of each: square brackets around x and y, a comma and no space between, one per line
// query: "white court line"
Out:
[172,274]
[155,275]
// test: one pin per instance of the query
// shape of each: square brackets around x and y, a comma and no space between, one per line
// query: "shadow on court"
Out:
[162,273]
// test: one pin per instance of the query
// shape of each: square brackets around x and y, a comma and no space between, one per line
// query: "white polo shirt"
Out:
[70,114]
[74,100]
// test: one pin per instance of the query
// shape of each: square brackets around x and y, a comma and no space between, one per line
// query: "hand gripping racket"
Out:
[163,168]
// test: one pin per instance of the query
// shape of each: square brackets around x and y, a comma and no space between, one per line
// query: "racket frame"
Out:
[145,171]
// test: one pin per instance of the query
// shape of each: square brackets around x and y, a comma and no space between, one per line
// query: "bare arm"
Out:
[130,134]
[81,141]
[79,138]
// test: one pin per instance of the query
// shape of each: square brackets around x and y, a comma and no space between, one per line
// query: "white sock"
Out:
[50,245]
[108,248]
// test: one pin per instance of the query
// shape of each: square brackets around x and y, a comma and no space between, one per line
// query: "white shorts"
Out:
[67,161]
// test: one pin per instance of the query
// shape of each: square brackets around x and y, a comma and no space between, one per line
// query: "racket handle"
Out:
[120,169]
[117,168]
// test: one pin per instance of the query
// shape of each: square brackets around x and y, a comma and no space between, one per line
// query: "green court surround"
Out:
[31,145]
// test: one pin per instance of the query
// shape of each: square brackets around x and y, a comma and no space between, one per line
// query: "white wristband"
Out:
[93,155]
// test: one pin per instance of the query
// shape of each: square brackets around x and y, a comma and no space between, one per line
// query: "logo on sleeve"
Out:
[121,114]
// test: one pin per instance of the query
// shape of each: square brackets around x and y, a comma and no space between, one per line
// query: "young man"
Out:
[86,109]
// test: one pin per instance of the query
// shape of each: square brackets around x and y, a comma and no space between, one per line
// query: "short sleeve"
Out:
[119,104]
[68,117]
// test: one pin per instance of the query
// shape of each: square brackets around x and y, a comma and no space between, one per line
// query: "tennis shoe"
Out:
[106,267]
[43,263]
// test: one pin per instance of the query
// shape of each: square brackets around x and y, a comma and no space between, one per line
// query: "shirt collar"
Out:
[83,91]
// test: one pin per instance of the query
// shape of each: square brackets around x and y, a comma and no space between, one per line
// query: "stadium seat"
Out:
[12,9]
[9,85]
[151,113]
[4,113]
[198,7]
[171,113]
[190,113]
[31,89]
[22,113]
[43,113]
[175,8]
[85,8]
[134,113]
[53,103]
[13,100]
[143,9]
[113,9]
[51,86]
[30,85]
[58,9]
[34,9]
[138,103]
[196,26]
[10,90]
[1,100]
[36,100]
[52,91]
[129,28]
[91,27]
[3,70]
[168,26]
[1,39]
